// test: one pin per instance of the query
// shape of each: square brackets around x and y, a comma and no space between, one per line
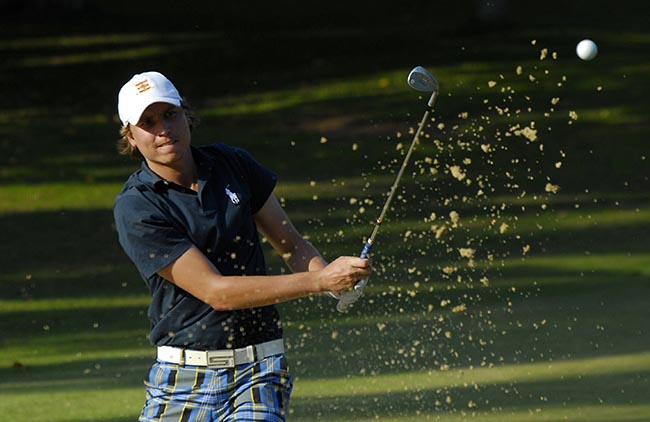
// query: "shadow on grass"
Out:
[83,147]
[100,373]
[476,401]
[62,242]
[390,333]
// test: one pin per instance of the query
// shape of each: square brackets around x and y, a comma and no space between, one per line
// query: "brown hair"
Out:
[124,147]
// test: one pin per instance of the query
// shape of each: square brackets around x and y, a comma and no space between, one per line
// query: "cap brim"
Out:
[134,118]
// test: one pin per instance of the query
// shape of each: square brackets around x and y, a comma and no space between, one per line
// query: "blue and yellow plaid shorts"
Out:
[257,391]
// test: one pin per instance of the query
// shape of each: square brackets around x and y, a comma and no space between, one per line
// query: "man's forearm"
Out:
[240,292]
[194,273]
[305,257]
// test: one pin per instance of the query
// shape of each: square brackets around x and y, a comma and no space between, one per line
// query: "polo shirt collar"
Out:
[204,164]
[148,177]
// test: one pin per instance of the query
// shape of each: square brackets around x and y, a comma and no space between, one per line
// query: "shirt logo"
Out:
[143,86]
[232,195]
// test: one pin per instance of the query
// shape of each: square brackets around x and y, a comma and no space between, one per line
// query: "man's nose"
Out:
[165,128]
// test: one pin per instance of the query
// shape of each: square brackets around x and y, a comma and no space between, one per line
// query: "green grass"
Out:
[548,322]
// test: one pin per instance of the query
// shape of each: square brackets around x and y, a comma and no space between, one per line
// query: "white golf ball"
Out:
[587,49]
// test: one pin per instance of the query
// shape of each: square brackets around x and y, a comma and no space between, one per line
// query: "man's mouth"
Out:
[167,143]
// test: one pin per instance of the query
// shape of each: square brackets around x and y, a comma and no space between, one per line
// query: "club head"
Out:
[421,80]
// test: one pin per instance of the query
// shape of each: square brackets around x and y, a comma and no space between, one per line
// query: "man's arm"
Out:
[299,254]
[194,273]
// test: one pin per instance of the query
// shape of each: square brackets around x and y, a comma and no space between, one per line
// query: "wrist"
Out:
[317,263]
[316,281]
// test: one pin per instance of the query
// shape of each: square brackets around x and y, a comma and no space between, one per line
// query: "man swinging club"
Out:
[189,220]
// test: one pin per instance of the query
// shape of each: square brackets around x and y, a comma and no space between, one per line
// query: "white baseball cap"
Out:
[143,90]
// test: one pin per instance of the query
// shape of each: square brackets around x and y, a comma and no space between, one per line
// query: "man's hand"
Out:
[343,273]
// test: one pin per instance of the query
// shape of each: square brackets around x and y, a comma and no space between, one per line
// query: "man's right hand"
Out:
[343,273]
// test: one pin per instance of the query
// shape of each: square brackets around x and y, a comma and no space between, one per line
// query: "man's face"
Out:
[162,134]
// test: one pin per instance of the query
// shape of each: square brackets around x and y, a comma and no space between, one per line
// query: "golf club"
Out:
[421,80]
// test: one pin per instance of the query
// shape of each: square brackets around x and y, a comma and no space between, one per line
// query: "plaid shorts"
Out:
[258,391]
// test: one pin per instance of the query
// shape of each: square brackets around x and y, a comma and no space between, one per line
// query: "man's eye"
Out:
[170,113]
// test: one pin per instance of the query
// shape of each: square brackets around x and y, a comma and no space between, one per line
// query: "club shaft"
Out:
[347,298]
[371,239]
[398,178]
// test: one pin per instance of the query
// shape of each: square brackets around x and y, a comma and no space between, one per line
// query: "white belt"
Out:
[226,358]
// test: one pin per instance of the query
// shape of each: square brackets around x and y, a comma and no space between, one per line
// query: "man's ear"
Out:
[129,136]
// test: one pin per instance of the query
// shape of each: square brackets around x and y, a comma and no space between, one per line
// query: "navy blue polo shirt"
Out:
[157,221]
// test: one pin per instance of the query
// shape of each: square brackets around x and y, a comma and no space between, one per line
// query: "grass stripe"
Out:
[418,381]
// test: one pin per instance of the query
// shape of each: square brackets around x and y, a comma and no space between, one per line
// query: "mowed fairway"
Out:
[512,279]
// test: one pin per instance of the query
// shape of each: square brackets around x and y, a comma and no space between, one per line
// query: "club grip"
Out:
[365,252]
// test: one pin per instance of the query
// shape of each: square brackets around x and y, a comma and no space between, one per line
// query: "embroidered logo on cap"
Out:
[143,86]
[232,195]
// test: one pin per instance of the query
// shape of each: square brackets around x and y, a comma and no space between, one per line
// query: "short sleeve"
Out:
[148,238]
[261,180]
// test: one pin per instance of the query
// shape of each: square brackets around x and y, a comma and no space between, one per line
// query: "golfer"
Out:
[190,219]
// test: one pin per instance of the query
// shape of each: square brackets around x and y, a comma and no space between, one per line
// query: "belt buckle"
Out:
[220,359]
